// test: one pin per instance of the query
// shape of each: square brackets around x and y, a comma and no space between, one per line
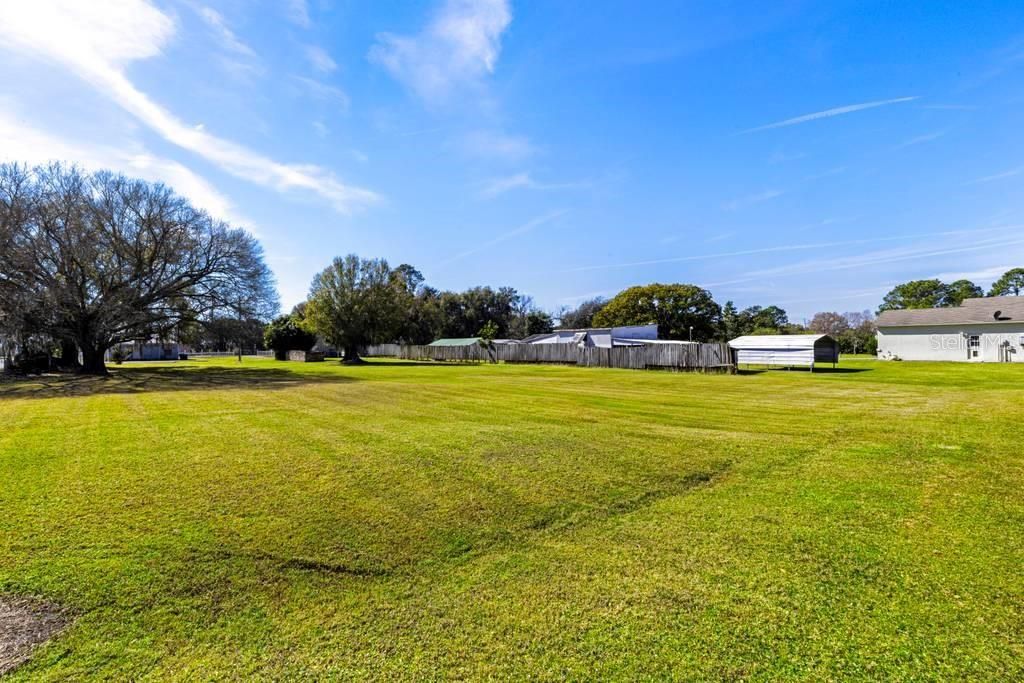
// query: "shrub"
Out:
[288,333]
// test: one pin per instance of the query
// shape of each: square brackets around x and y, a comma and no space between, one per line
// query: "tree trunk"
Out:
[68,354]
[92,361]
[352,355]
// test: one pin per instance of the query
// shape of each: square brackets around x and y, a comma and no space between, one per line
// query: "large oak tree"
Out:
[355,302]
[675,308]
[98,259]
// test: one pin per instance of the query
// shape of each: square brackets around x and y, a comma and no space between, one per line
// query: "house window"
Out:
[973,345]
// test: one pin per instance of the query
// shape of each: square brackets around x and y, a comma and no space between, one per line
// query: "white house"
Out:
[989,329]
[601,337]
[787,350]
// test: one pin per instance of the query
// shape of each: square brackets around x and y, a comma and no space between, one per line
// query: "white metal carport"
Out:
[790,350]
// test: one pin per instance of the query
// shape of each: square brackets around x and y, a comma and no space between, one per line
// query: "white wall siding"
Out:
[950,342]
[792,357]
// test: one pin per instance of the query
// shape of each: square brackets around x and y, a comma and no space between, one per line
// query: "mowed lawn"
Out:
[209,520]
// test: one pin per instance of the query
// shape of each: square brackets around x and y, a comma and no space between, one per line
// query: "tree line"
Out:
[935,293]
[356,302]
[92,260]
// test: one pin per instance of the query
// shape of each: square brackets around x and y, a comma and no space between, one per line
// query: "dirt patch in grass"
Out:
[25,624]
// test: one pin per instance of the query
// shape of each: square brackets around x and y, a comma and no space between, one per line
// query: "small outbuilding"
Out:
[460,341]
[789,350]
[599,337]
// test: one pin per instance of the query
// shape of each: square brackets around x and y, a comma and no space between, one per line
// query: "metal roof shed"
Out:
[785,349]
[458,341]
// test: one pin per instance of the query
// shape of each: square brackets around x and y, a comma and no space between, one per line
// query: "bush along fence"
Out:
[689,357]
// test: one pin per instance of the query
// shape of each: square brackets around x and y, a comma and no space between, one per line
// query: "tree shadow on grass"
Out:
[155,379]
[817,371]
[372,362]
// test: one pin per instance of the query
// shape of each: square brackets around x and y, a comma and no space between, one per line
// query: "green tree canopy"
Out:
[288,333]
[1010,284]
[355,302]
[675,308]
[916,294]
[959,290]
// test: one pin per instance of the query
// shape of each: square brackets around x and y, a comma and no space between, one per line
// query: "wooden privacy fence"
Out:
[700,357]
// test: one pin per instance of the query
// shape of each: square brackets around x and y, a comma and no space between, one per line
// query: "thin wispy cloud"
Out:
[782,157]
[836,170]
[227,38]
[983,275]
[736,204]
[720,238]
[950,107]
[297,12]
[829,113]
[320,60]
[914,253]
[782,248]
[323,91]
[873,293]
[523,181]
[494,144]
[460,45]
[821,224]
[96,41]
[584,297]
[997,176]
[504,237]
[21,142]
[921,139]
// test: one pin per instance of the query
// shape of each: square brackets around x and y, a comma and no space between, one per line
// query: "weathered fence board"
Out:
[700,357]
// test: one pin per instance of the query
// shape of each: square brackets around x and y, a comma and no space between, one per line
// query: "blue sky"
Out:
[809,155]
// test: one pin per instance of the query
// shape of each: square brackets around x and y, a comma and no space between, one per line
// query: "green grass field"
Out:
[207,520]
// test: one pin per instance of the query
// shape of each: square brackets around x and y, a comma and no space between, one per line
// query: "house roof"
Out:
[991,309]
[456,341]
[777,341]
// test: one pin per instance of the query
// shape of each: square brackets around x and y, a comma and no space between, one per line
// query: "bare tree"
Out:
[104,259]
[830,323]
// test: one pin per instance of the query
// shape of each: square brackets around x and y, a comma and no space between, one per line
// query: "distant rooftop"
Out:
[990,309]
[455,341]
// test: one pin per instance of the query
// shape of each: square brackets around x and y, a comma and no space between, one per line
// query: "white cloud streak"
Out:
[765,196]
[998,176]
[460,45]
[228,40]
[523,181]
[913,253]
[782,249]
[497,145]
[829,113]
[323,91]
[320,60]
[516,232]
[21,142]
[297,12]
[921,139]
[96,40]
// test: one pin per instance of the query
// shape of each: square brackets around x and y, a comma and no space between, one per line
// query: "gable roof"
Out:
[458,341]
[990,309]
[778,341]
